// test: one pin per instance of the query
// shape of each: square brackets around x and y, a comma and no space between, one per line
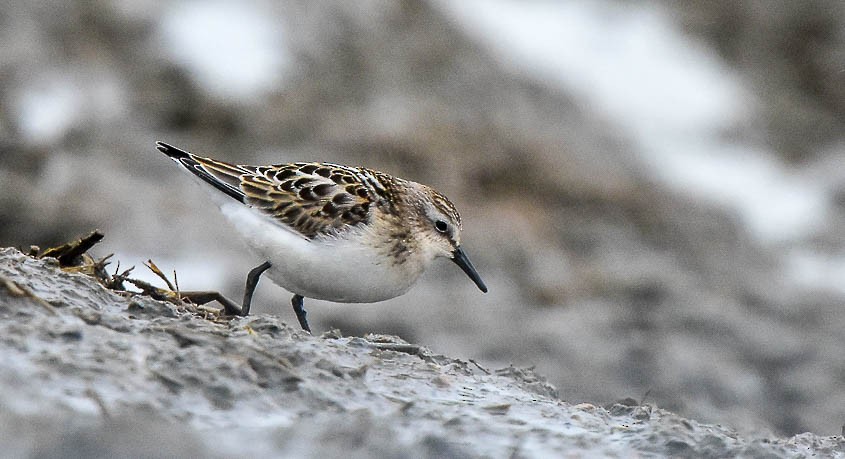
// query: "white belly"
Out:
[338,270]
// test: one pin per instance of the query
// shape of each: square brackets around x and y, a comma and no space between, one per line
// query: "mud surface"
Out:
[86,371]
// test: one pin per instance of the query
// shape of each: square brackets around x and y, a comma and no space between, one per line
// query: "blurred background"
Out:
[654,191]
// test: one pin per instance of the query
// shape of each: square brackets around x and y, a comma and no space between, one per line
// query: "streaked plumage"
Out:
[334,232]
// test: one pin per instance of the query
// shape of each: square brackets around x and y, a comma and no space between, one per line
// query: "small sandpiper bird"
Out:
[330,232]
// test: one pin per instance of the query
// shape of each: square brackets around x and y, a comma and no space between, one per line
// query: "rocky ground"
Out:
[91,372]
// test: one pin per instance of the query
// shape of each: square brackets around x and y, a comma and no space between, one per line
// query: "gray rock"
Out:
[91,372]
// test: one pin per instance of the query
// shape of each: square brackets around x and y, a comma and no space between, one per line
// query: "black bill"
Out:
[460,259]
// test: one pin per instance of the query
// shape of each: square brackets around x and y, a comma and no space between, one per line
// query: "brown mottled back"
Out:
[312,198]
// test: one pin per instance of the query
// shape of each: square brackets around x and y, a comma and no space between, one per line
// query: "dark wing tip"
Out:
[194,165]
[171,151]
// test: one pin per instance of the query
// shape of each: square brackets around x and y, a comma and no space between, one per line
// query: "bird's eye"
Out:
[441,226]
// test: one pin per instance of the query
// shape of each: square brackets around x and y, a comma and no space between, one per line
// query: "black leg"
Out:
[251,283]
[296,301]
[229,306]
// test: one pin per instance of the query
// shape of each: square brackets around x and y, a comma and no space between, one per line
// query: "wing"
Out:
[313,198]
[310,198]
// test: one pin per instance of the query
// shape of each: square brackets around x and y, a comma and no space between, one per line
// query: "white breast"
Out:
[343,270]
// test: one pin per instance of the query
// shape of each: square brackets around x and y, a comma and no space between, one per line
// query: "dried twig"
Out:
[67,254]
[155,292]
[152,267]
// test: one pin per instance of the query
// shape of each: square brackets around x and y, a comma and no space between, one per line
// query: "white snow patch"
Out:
[630,63]
[628,59]
[50,104]
[47,108]
[776,203]
[233,49]
[816,270]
